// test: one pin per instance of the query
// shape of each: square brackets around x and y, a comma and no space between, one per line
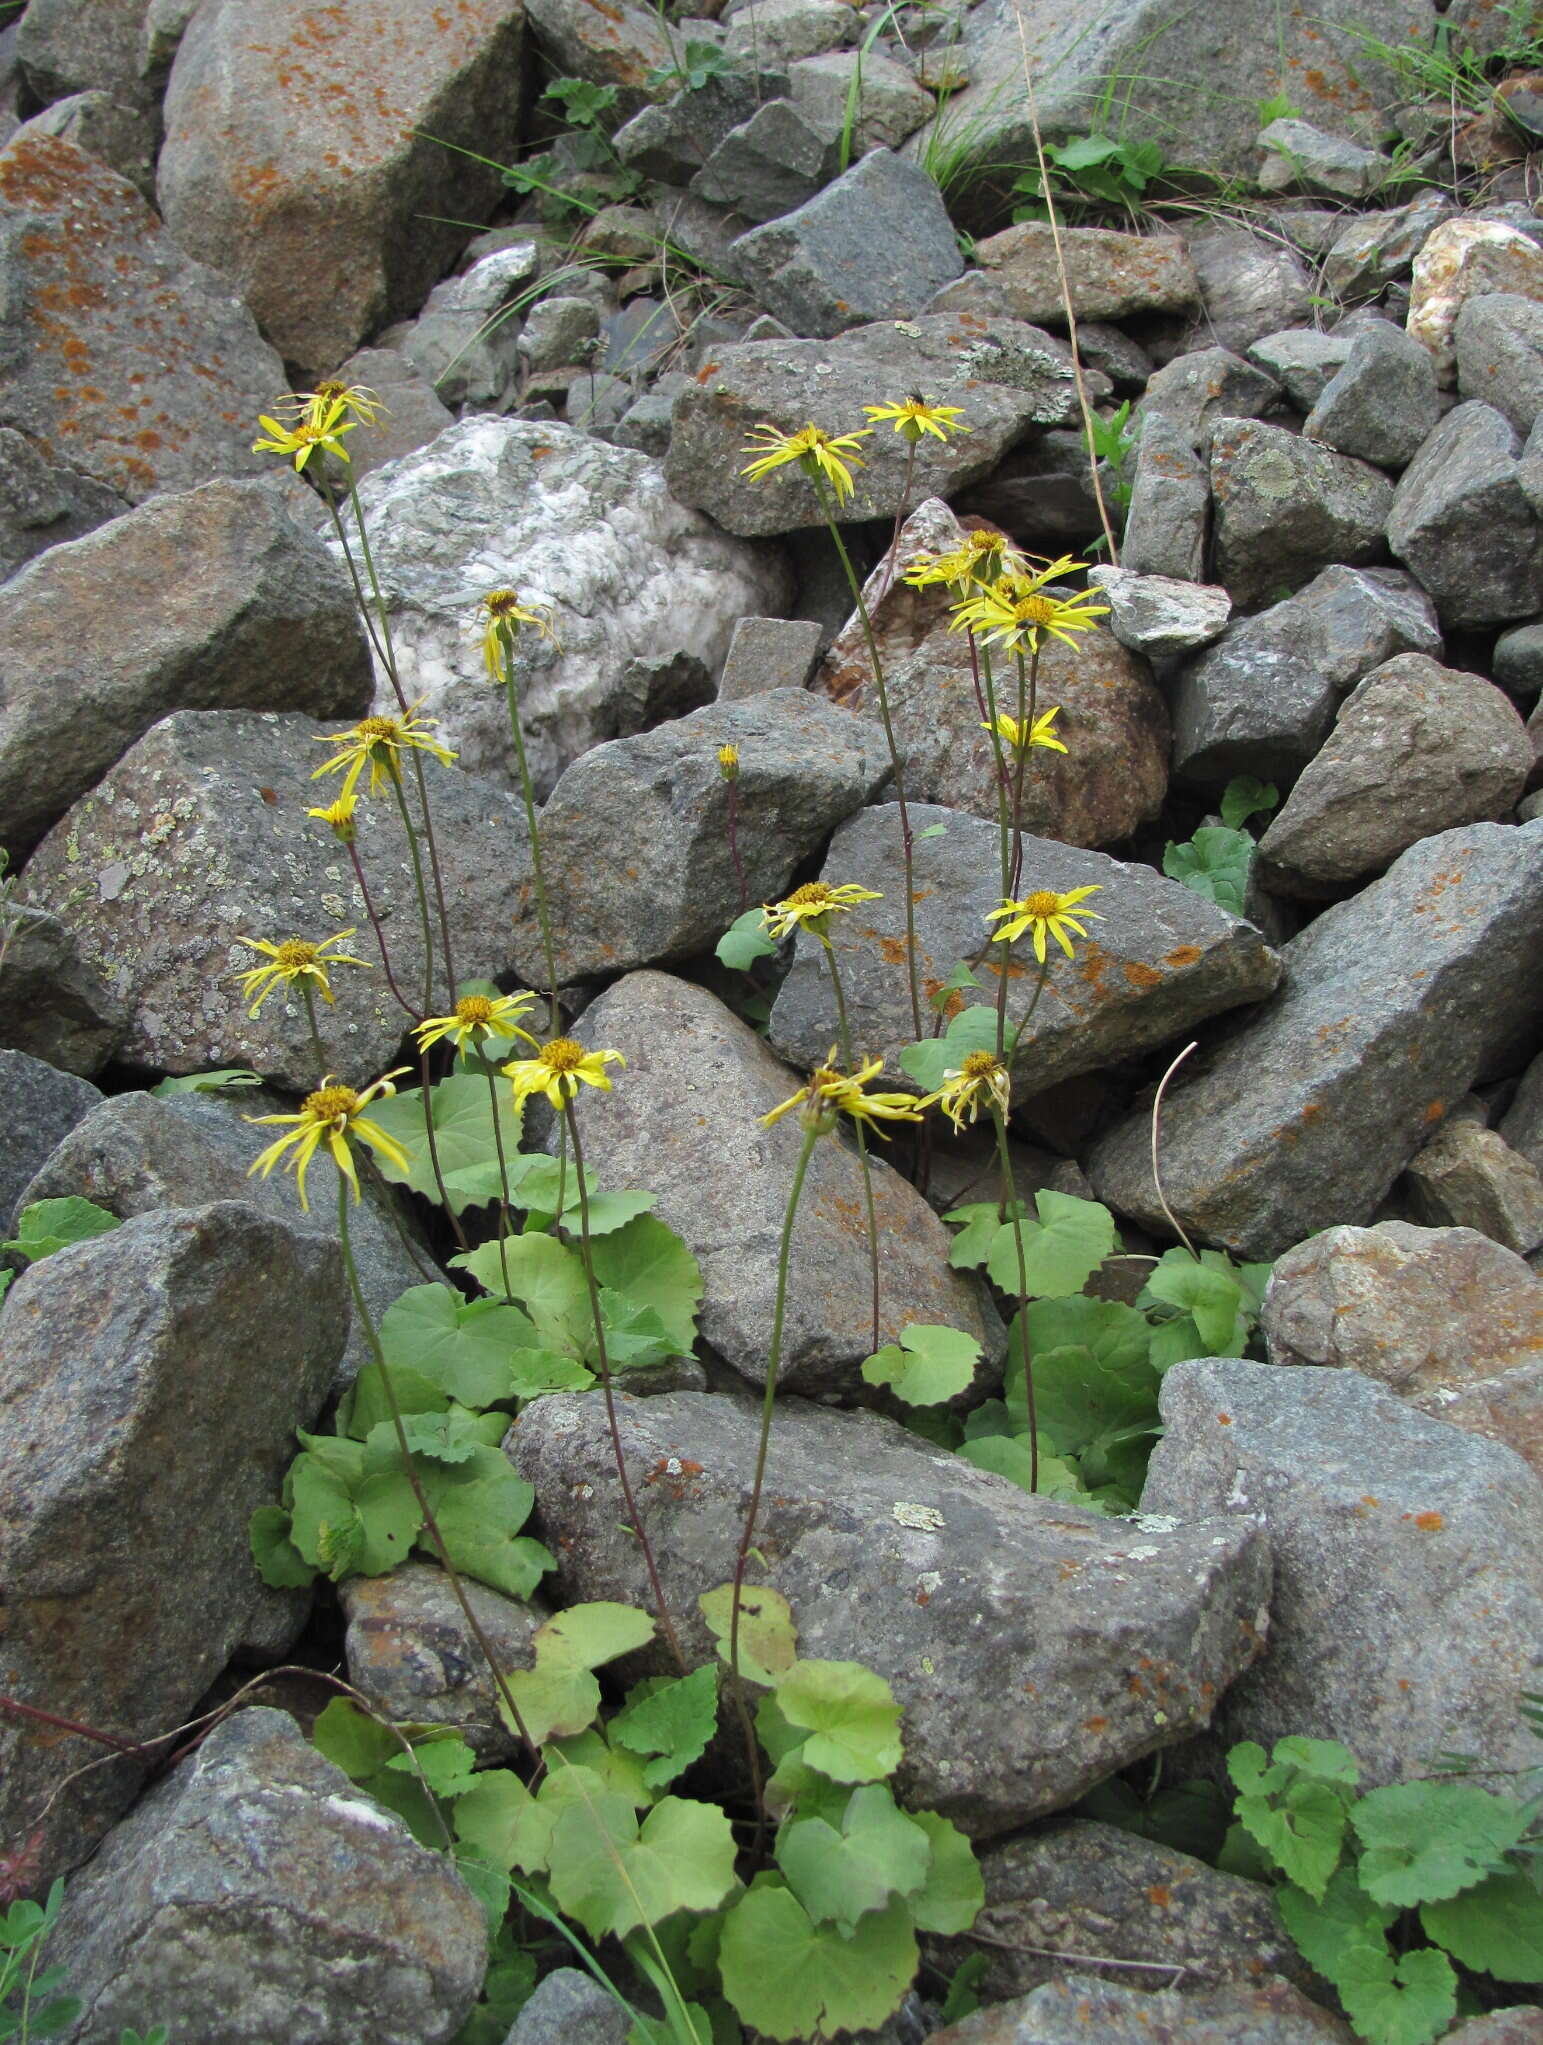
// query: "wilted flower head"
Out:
[982,1078]
[728,762]
[914,416]
[812,906]
[499,616]
[831,1093]
[981,557]
[830,457]
[353,400]
[378,743]
[1018,609]
[333,1115]
[299,442]
[1019,737]
[478,1019]
[339,818]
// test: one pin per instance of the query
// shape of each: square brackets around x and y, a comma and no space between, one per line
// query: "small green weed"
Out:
[1216,861]
[694,66]
[1098,170]
[49,1225]
[31,2004]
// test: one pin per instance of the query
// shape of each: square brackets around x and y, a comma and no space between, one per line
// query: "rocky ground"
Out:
[1316,379]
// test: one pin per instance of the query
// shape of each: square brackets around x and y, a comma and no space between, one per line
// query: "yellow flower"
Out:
[357,403]
[981,1078]
[557,1068]
[477,1018]
[981,557]
[811,907]
[831,1092]
[1018,609]
[1044,911]
[339,818]
[499,614]
[295,959]
[728,762]
[333,1115]
[817,454]
[377,742]
[301,441]
[1020,737]
[914,416]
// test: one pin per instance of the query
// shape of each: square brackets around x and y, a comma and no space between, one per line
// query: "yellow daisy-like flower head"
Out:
[299,442]
[355,401]
[830,457]
[1019,610]
[811,908]
[339,818]
[982,557]
[500,614]
[832,1093]
[914,416]
[1045,912]
[296,959]
[981,1078]
[378,743]
[557,1069]
[477,1020]
[333,1115]
[1020,737]
[728,762]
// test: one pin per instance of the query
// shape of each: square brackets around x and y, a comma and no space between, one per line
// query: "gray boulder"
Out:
[635,840]
[684,1046]
[782,32]
[1286,508]
[768,653]
[1069,2011]
[52,1004]
[874,245]
[1372,250]
[1461,520]
[1468,1176]
[198,839]
[1250,285]
[1302,361]
[465,340]
[121,137]
[1499,343]
[1161,959]
[129,1397]
[1407,1612]
[1195,390]
[1261,699]
[42,1107]
[889,104]
[1112,276]
[1382,402]
[1004,380]
[770,164]
[671,140]
[1417,748]
[68,46]
[1160,616]
[570,2007]
[1170,506]
[256,1894]
[1518,658]
[412,415]
[43,502]
[222,600]
[1392,1003]
[1299,156]
[955,1586]
[605,42]
[1522,1126]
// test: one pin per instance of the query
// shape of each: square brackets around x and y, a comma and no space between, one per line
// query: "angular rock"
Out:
[1461,521]
[465,339]
[1522,1126]
[1005,378]
[774,162]
[260,617]
[1498,338]
[785,31]
[589,529]
[411,1652]
[889,105]
[1382,402]
[1112,276]
[874,245]
[1074,1887]
[42,1106]
[683,1046]
[106,384]
[121,137]
[1260,700]
[1302,360]
[1285,508]
[1083,2006]
[1160,616]
[1160,960]
[198,838]
[1250,285]
[1299,156]
[605,42]
[1463,259]
[52,1004]
[1042,493]
[635,841]
[1468,1176]
[559,332]
[1170,506]
[258,1894]
[1518,658]
[1405,1619]
[959,1589]
[1392,1003]
[68,46]
[672,140]
[768,653]
[136,1154]
[128,1396]
[1113,775]
[1371,250]
[1417,748]
[43,502]
[570,2007]
[331,204]
[1192,392]
[412,415]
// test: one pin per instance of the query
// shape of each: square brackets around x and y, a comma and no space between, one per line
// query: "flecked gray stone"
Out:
[52,1004]
[68,46]
[1382,402]
[466,339]
[259,1895]
[1112,276]
[1042,492]
[672,140]
[955,1586]
[128,1396]
[560,331]
[635,843]
[1518,658]
[604,42]
[1160,960]
[1084,2006]
[889,103]
[1392,1003]
[1286,508]
[1170,506]
[1468,1176]
[180,854]
[1499,343]
[1299,156]
[1250,285]
[570,2008]
[1407,1612]
[1261,699]
[1004,380]
[784,31]
[1417,748]
[1193,391]
[772,163]
[1302,361]
[42,1107]
[121,137]
[221,599]
[412,415]
[43,502]
[874,245]
[1461,521]
[1160,616]
[1522,1125]
[1373,249]
[768,653]
[694,1066]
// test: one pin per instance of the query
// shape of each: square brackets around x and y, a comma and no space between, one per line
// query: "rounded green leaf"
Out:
[768,1639]
[850,1715]
[1410,2001]
[839,1875]
[463,1349]
[671,1720]
[1061,1250]
[279,1561]
[1422,1842]
[792,1979]
[1496,1928]
[930,1363]
[647,1261]
[954,1893]
[613,1875]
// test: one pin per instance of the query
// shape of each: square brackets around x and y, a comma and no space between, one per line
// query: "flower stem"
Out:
[316,1045]
[1010,1207]
[734,853]
[503,1173]
[667,1625]
[1028,692]
[380,937]
[426,1092]
[894,538]
[528,796]
[844,1036]
[419,889]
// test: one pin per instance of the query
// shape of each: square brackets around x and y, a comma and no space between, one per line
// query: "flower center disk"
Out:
[563,1055]
[329,1102]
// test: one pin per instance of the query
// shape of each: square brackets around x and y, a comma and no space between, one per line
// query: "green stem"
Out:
[316,1044]
[894,538]
[1028,696]
[1010,1204]
[426,1094]
[1004,779]
[430,1524]
[667,1625]
[844,1037]
[402,1001]
[528,796]
[503,1174]
[734,853]
[418,888]
[1023,1020]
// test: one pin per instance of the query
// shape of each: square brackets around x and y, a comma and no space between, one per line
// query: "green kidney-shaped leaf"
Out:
[1496,1928]
[1422,1842]
[648,1263]
[498,1821]
[364,1523]
[464,1349]
[279,1561]
[1302,1831]
[790,1978]
[972,1029]
[672,1720]
[768,1638]
[1061,1250]
[1409,2001]
[850,1715]
[954,1893]
[614,1875]
[744,942]
[840,1874]
[462,1107]
[50,1225]
[1244,796]
[980,1223]
[479,1506]
[547,1278]
[1324,1928]
[929,1364]
[1212,1297]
